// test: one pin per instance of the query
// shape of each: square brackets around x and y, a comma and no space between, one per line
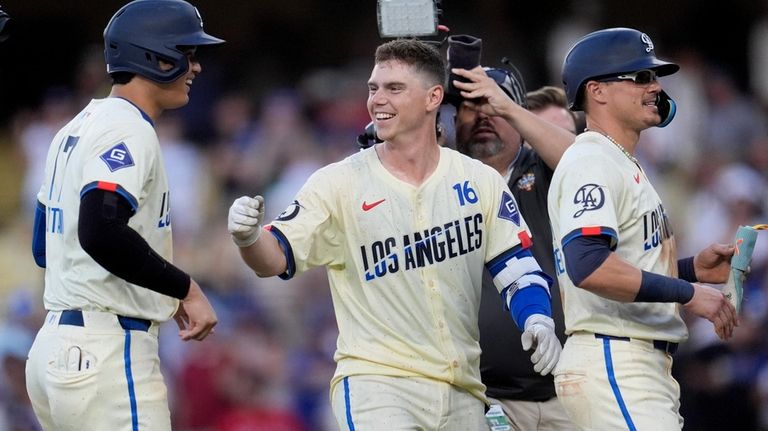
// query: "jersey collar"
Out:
[143,114]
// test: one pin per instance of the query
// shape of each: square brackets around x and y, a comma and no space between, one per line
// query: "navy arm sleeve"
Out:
[584,254]
[38,236]
[105,235]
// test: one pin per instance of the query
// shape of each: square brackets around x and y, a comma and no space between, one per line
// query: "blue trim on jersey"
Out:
[38,235]
[120,190]
[143,114]
[55,167]
[529,301]
[603,231]
[348,405]
[499,262]
[615,385]
[129,379]
[290,270]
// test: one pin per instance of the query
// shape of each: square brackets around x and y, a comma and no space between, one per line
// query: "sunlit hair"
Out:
[546,96]
[422,56]
[549,96]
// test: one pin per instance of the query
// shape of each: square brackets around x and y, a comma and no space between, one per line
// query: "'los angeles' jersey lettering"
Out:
[164,219]
[656,228]
[420,249]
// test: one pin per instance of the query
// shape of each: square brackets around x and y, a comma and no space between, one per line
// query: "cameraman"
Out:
[492,127]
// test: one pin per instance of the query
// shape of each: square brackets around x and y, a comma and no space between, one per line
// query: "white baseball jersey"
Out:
[597,190]
[110,145]
[404,262]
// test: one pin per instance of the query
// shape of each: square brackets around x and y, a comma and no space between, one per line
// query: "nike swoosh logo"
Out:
[637,178]
[368,207]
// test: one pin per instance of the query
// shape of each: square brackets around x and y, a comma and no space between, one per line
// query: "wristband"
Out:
[659,288]
[685,270]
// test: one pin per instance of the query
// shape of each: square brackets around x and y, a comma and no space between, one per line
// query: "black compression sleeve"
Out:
[107,238]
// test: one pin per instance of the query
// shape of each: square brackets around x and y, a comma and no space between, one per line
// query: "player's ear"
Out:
[594,90]
[435,97]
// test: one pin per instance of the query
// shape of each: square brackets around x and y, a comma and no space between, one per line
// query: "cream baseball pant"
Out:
[90,370]
[546,415]
[373,402]
[611,384]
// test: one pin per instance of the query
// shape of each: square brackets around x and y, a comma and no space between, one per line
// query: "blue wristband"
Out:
[659,288]
[685,270]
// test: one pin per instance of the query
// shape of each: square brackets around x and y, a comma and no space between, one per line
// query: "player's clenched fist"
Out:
[245,217]
[540,331]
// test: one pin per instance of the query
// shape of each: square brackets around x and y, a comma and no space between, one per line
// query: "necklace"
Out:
[623,150]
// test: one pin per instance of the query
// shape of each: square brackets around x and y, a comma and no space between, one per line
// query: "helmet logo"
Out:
[647,41]
[200,18]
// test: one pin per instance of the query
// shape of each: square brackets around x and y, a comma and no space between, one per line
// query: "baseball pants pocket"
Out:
[570,389]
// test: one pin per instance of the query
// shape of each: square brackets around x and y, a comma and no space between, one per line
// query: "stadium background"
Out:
[286,94]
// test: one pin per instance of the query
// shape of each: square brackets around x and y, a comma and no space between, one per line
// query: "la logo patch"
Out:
[117,157]
[291,212]
[508,209]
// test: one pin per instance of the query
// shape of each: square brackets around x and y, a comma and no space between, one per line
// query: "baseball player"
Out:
[622,284]
[103,234]
[493,131]
[404,229]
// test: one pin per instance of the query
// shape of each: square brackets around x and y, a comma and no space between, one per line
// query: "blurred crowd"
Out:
[269,364]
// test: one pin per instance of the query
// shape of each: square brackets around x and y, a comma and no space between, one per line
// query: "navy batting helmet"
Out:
[145,31]
[511,81]
[5,19]
[607,53]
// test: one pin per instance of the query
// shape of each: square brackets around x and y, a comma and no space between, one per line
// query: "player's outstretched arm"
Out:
[484,95]
[711,304]
[262,253]
[195,316]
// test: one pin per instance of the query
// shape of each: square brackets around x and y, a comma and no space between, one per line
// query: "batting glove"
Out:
[245,217]
[540,331]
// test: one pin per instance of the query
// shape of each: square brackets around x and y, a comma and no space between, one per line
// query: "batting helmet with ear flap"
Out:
[612,52]
[145,31]
[5,19]
[511,81]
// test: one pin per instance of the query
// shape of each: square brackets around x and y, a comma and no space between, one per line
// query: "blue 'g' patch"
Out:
[118,157]
[508,209]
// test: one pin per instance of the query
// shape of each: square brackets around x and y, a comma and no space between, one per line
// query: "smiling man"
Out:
[103,235]
[404,229]
[623,287]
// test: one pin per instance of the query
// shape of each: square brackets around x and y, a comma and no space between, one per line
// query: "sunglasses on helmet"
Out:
[642,77]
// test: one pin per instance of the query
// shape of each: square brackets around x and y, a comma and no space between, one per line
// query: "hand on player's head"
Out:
[245,218]
[482,93]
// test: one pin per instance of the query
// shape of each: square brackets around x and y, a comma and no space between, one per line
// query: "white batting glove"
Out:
[245,217]
[540,331]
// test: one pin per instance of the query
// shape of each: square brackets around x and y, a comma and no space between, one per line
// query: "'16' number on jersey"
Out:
[466,193]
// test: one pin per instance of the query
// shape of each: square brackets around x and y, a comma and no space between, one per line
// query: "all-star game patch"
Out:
[508,209]
[526,182]
[117,157]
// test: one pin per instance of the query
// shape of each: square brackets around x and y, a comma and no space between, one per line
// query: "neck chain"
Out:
[623,150]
